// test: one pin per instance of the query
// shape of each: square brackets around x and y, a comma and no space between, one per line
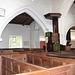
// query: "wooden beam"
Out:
[27,21]
[30,22]
[23,23]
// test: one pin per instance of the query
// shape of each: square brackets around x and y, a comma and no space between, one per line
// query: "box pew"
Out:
[12,66]
[69,56]
[5,50]
[48,62]
[68,52]
[62,70]
[21,57]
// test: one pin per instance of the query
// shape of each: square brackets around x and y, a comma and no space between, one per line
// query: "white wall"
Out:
[35,35]
[29,34]
[14,29]
[41,32]
[56,5]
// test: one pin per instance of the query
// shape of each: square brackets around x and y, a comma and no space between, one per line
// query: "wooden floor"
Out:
[37,62]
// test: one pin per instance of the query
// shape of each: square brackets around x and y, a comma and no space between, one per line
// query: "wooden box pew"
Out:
[62,70]
[27,52]
[12,66]
[68,52]
[48,62]
[22,56]
[69,56]
[6,50]
[9,53]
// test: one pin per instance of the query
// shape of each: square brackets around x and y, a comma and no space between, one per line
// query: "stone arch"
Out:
[64,14]
[30,11]
[68,34]
[70,26]
[63,6]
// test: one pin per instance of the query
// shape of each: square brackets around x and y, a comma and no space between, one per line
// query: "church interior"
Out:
[37,37]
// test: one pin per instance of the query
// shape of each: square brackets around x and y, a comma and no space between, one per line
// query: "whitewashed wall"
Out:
[29,34]
[35,33]
[13,29]
[56,5]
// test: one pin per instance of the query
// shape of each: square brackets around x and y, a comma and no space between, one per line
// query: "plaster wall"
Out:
[30,35]
[56,5]
[18,30]
[35,34]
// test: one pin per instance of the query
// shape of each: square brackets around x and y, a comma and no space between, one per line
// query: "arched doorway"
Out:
[70,37]
[65,21]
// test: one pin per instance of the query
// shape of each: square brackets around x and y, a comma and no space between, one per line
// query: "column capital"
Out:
[52,15]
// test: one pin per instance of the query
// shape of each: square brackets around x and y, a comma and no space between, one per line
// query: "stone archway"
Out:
[62,20]
[70,36]
[30,11]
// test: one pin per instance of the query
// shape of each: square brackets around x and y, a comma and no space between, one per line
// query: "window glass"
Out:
[15,41]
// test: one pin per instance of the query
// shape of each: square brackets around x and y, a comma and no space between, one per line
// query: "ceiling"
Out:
[22,19]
